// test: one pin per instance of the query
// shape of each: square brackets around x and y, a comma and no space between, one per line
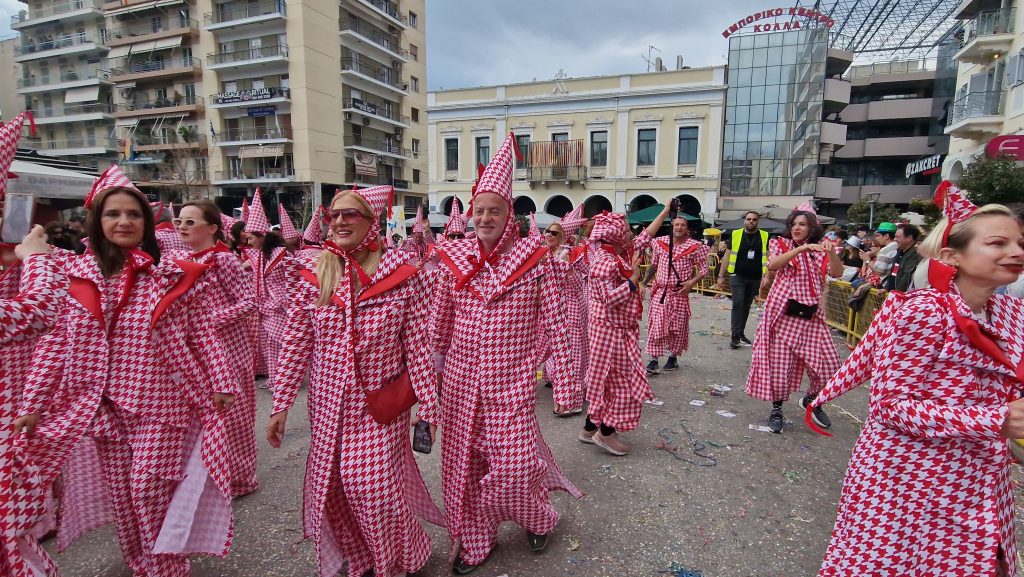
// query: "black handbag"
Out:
[795,308]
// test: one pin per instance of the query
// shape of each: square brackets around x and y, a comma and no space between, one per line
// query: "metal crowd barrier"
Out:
[838,314]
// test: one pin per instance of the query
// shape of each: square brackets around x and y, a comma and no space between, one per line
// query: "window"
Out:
[415,145]
[599,148]
[414,20]
[451,154]
[523,144]
[560,136]
[415,176]
[687,145]
[646,146]
[414,83]
[415,114]
[156,24]
[414,52]
[483,149]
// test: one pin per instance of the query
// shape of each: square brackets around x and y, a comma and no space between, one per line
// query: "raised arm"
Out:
[652,229]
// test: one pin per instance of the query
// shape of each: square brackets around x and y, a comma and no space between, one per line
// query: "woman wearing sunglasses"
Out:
[359,326]
[229,301]
[266,253]
[123,381]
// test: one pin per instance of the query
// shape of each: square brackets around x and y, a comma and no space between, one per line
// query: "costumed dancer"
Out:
[267,254]
[166,233]
[945,368]
[358,321]
[129,379]
[455,228]
[668,321]
[31,292]
[569,399]
[291,236]
[230,302]
[422,239]
[616,383]
[492,296]
[792,337]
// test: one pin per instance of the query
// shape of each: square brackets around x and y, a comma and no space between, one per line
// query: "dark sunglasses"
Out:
[189,222]
[551,232]
[456,236]
[347,215]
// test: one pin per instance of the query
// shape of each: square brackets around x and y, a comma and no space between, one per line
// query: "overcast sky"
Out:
[483,42]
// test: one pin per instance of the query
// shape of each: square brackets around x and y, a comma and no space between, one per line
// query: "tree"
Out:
[860,213]
[993,180]
[926,206]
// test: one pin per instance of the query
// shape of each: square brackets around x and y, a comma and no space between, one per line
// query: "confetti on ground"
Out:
[574,544]
[697,403]
[760,428]
[655,402]
[792,476]
[725,414]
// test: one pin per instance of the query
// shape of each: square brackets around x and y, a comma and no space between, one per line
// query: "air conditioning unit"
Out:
[398,132]
[348,116]
[366,122]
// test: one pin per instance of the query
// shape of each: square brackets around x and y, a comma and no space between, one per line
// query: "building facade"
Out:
[617,143]
[987,113]
[214,99]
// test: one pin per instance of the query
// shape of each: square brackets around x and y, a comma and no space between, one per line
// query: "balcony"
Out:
[386,147]
[174,106]
[58,46]
[234,14]
[132,68]
[545,174]
[78,146]
[370,110]
[372,77]
[976,115]
[163,174]
[128,35]
[143,142]
[252,56]
[64,80]
[837,95]
[898,109]
[254,175]
[251,96]
[987,36]
[361,36]
[76,9]
[72,113]
[387,11]
[560,160]
[240,136]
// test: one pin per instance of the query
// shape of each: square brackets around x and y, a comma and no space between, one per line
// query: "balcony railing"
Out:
[126,66]
[65,76]
[157,103]
[374,109]
[546,173]
[126,32]
[976,104]
[375,35]
[556,160]
[247,54]
[56,9]
[162,138]
[164,173]
[388,146]
[72,109]
[389,76]
[81,142]
[389,8]
[246,134]
[239,10]
[253,174]
[30,46]
[247,95]
[987,24]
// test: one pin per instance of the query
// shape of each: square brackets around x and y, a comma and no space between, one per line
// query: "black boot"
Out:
[776,421]
[537,542]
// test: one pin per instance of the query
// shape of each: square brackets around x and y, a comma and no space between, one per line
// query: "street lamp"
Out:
[872,198]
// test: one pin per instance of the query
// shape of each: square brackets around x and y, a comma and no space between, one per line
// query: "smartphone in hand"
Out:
[421,439]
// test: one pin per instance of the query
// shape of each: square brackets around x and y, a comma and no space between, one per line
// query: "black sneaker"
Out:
[672,364]
[745,341]
[537,542]
[652,367]
[734,345]
[548,385]
[818,414]
[462,568]
[775,421]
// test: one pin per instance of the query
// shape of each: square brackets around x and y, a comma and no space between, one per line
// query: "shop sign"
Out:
[245,95]
[790,24]
[925,166]
[261,151]
[364,106]
[261,111]
[1011,145]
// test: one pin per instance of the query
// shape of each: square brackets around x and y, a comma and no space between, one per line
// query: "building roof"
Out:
[887,29]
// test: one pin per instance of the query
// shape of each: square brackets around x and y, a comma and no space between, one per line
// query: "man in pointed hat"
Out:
[266,253]
[493,294]
[456,226]
[288,232]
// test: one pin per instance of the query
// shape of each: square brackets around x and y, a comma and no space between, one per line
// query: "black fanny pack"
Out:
[795,308]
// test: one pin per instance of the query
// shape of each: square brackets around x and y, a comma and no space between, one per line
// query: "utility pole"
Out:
[650,61]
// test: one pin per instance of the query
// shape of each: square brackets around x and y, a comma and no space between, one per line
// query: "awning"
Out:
[119,51]
[123,85]
[647,215]
[126,122]
[83,94]
[143,47]
[48,182]
[165,43]
[143,6]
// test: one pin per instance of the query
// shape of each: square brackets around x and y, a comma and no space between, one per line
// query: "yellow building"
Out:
[616,143]
[989,98]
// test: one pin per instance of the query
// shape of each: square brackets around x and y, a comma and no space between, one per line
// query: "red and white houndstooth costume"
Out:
[127,377]
[271,292]
[26,312]
[231,301]
[668,321]
[616,380]
[363,489]
[575,300]
[168,238]
[486,314]
[787,346]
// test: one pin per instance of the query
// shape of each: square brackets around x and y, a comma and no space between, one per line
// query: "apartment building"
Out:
[618,143]
[987,114]
[214,99]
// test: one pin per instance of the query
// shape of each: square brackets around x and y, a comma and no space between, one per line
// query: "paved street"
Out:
[700,490]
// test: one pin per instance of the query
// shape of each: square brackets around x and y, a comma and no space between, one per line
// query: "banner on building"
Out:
[261,151]
[366,163]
